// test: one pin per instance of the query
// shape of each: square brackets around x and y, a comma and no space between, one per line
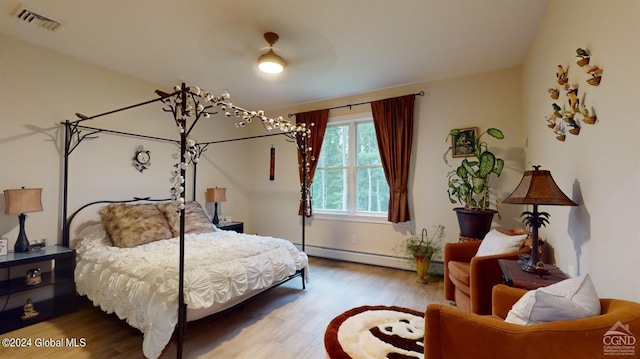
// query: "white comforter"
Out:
[140,284]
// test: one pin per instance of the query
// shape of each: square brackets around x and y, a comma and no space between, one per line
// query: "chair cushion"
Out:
[573,298]
[459,277]
[462,300]
[496,242]
[459,271]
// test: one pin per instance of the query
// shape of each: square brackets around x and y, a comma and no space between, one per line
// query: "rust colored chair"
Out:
[452,334]
[468,280]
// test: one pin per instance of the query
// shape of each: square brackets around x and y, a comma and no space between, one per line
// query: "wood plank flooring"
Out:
[286,323]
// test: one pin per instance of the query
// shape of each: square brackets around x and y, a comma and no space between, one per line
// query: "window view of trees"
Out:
[349,177]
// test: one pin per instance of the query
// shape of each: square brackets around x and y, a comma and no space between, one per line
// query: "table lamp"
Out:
[21,201]
[537,187]
[216,195]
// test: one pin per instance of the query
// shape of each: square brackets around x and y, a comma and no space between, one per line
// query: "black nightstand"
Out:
[53,296]
[232,226]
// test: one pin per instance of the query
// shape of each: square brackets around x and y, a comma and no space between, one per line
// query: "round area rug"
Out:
[376,332]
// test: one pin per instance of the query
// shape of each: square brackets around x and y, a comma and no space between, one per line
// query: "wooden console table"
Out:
[514,276]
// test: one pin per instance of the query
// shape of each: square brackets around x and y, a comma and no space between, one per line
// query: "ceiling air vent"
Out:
[29,16]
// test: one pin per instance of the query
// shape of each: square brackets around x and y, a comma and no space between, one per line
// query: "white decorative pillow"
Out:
[569,299]
[496,242]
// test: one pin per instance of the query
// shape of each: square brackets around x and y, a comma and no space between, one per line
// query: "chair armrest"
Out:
[458,252]
[503,299]
[484,273]
[461,252]
[451,333]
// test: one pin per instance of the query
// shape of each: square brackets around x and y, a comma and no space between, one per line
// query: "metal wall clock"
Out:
[142,159]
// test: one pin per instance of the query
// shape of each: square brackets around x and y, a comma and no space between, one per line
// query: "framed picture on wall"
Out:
[463,143]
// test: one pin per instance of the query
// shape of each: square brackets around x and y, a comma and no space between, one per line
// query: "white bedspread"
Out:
[140,284]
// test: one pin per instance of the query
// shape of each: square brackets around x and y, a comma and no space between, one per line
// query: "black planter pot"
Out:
[474,224]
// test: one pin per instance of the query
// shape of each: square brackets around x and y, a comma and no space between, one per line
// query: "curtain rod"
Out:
[421,93]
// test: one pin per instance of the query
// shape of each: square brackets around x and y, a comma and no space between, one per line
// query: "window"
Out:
[349,179]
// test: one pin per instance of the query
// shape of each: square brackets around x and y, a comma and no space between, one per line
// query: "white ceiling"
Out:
[333,48]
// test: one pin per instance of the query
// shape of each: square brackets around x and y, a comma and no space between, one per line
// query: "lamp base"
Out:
[215,219]
[22,243]
[535,268]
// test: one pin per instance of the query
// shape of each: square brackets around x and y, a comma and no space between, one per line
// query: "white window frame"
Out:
[351,215]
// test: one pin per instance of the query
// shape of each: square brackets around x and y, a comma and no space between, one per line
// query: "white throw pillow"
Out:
[496,242]
[569,299]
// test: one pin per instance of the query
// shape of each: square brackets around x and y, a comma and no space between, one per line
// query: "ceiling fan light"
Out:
[270,63]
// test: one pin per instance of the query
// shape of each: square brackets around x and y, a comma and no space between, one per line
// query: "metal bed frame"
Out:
[185,104]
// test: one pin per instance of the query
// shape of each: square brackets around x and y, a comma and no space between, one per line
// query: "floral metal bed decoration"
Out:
[194,103]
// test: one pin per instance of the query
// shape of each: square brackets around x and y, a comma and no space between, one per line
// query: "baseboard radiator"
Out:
[436,268]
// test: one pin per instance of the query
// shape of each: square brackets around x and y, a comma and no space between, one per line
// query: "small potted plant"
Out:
[468,185]
[420,250]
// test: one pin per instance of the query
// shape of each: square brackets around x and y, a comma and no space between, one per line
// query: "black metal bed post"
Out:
[305,191]
[182,307]
[193,191]
[305,194]
[65,188]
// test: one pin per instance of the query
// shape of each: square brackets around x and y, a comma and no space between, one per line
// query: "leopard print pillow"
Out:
[196,220]
[130,225]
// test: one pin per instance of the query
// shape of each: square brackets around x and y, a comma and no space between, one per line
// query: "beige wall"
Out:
[599,169]
[486,100]
[40,88]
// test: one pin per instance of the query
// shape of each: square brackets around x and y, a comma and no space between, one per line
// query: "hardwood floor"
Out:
[286,323]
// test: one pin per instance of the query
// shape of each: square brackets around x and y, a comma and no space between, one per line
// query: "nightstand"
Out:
[53,296]
[232,226]
[514,276]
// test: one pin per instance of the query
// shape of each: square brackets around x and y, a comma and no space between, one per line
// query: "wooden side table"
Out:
[514,276]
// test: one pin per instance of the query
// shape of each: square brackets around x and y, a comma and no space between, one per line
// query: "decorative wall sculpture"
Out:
[568,116]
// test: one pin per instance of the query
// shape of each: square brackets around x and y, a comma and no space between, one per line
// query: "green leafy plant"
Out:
[469,183]
[424,246]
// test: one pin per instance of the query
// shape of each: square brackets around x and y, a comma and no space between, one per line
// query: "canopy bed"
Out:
[127,260]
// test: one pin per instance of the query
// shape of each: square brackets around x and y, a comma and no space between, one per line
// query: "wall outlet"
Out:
[354,239]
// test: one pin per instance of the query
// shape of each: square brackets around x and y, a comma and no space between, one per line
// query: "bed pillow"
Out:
[570,299]
[496,242]
[130,225]
[196,220]
[91,232]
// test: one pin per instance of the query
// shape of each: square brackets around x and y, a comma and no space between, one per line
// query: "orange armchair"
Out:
[452,333]
[468,280]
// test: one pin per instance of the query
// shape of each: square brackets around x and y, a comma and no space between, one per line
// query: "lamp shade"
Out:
[538,187]
[23,200]
[270,63]
[216,194]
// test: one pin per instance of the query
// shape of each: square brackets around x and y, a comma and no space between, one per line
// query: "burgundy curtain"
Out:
[393,121]
[319,120]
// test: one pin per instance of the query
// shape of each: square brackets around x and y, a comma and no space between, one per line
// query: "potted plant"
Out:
[421,250]
[468,184]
